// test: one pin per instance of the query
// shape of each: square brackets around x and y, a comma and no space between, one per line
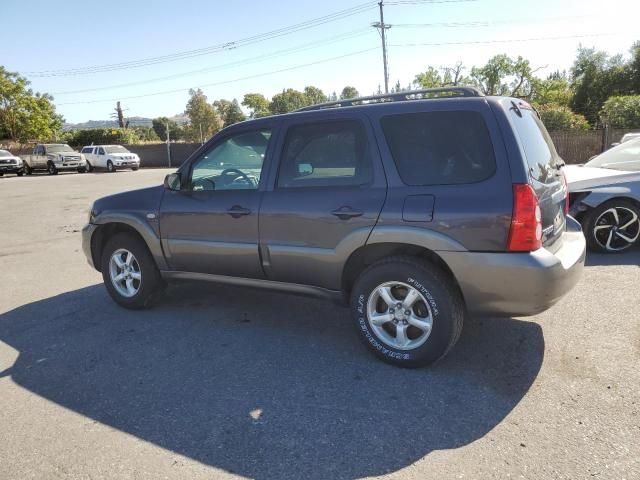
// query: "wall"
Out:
[153,155]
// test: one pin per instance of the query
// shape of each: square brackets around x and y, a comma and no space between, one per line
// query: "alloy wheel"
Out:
[617,229]
[399,315]
[125,273]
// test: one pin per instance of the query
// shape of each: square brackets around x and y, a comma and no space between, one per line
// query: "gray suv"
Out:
[416,208]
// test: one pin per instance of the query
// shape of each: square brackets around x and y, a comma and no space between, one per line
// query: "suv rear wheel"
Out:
[129,272]
[407,311]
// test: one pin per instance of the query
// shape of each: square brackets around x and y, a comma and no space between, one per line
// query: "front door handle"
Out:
[345,213]
[237,211]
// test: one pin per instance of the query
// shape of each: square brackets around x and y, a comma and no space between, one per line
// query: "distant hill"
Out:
[180,119]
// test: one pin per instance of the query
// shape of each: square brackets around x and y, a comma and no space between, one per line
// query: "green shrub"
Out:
[103,136]
[559,117]
[622,111]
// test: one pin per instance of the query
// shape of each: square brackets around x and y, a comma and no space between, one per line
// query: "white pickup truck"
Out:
[110,157]
[54,157]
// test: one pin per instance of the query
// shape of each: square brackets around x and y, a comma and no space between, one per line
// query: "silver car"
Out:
[604,195]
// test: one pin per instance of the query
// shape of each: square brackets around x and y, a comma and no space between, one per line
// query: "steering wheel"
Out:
[237,174]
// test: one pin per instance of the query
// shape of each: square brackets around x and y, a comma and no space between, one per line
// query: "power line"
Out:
[300,48]
[210,49]
[475,42]
[273,72]
[487,23]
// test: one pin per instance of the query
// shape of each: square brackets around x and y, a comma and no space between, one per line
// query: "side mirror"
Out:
[615,144]
[173,181]
[305,169]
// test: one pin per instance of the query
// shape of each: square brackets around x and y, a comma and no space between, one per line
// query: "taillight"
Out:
[525,234]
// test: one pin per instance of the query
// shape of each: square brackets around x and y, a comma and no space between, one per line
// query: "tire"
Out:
[110,167]
[89,168]
[150,284]
[134,169]
[27,169]
[438,299]
[616,239]
[1,174]
[51,168]
[20,174]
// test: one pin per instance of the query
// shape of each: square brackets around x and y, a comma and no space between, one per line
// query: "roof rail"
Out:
[425,94]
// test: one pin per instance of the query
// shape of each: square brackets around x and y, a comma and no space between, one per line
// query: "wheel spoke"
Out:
[411,298]
[401,335]
[625,238]
[615,215]
[634,219]
[600,227]
[609,240]
[385,294]
[118,261]
[423,324]
[136,275]
[128,259]
[130,288]
[119,277]
[380,319]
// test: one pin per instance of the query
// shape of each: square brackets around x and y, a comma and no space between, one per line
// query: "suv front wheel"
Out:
[407,311]
[129,272]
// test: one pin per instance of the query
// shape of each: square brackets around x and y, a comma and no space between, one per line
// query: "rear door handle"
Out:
[237,211]
[345,213]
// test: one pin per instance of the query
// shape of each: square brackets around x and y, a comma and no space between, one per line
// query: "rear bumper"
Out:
[519,284]
[87,234]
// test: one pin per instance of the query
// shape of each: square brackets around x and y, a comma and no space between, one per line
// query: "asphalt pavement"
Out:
[226,382]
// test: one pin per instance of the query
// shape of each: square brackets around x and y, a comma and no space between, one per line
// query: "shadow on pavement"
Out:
[632,257]
[265,385]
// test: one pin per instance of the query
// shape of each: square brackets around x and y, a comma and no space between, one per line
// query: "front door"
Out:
[326,199]
[211,224]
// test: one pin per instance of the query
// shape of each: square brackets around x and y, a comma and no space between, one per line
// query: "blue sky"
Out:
[78,34]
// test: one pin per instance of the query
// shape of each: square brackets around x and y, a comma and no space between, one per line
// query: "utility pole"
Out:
[168,147]
[201,139]
[382,28]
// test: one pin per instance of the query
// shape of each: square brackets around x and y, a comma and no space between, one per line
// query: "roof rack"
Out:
[427,93]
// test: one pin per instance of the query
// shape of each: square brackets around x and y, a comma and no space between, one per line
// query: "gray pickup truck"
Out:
[54,157]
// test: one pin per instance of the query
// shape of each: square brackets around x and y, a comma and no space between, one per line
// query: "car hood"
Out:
[122,155]
[583,178]
[140,201]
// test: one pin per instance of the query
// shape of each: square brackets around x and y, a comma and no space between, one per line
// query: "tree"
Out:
[595,77]
[159,126]
[622,111]
[349,92]
[560,117]
[288,101]
[258,105]
[25,115]
[454,76]
[202,116]
[430,78]
[555,89]
[314,95]
[230,112]
[502,75]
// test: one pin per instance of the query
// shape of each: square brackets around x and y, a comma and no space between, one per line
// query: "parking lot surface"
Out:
[224,382]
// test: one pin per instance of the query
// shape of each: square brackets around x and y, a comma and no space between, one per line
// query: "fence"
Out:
[574,146]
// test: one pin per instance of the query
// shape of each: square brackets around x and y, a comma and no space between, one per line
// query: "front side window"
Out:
[440,148]
[325,154]
[101,151]
[232,164]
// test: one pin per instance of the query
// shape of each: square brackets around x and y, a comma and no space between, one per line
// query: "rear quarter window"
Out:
[538,147]
[440,148]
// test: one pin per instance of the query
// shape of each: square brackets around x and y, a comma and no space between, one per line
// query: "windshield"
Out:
[4,153]
[116,149]
[625,156]
[58,148]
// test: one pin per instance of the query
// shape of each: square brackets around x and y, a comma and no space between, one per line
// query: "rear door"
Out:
[324,200]
[544,167]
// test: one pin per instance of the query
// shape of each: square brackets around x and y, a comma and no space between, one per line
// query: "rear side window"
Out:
[537,144]
[440,148]
[325,154]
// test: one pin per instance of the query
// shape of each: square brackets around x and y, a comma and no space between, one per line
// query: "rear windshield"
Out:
[625,156]
[440,148]
[538,147]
